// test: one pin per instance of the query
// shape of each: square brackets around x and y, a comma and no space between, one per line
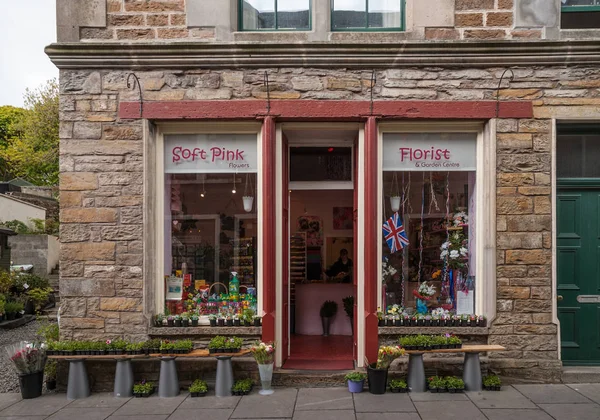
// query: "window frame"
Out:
[402,27]
[584,8]
[485,272]
[158,238]
[240,4]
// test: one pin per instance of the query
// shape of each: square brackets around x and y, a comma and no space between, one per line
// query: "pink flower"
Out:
[108,342]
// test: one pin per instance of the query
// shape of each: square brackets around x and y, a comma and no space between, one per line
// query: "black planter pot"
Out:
[427,322]
[257,322]
[194,322]
[31,385]
[236,322]
[326,323]
[381,323]
[185,322]
[170,323]
[51,384]
[230,322]
[389,322]
[178,322]
[377,380]
[221,322]
[2,318]
[247,324]
[482,323]
[213,322]
[11,316]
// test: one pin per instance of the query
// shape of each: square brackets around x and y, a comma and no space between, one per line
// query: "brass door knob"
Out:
[559,298]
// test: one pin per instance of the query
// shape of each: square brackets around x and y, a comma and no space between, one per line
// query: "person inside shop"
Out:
[341,270]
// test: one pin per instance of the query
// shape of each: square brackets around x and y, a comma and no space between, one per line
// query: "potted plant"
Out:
[242,387]
[166,347]
[377,372]
[2,306]
[158,320]
[50,372]
[170,321]
[236,320]
[481,321]
[195,319]
[356,381]
[143,389]
[398,385]
[198,388]
[119,346]
[381,321]
[257,320]
[29,359]
[233,344]
[328,311]
[454,342]
[221,321]
[492,383]
[264,354]
[436,384]
[177,319]
[216,344]
[454,384]
[348,303]
[185,319]
[151,346]
[134,348]
[248,316]
[389,321]
[183,346]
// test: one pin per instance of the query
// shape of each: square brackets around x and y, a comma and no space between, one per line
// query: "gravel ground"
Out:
[9,381]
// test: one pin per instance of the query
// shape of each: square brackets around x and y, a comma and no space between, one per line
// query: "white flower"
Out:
[464,251]
[454,254]
[443,254]
[444,245]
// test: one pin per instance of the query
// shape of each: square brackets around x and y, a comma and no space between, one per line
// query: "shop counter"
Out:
[310,297]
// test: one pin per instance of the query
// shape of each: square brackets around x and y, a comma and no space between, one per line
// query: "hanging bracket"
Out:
[373,82]
[266,84]
[512,77]
[132,85]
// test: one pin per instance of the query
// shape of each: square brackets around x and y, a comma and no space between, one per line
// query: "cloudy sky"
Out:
[26,27]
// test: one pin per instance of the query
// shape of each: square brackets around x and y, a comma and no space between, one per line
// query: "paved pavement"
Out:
[519,402]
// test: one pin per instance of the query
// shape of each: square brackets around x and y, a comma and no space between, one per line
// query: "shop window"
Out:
[211,225]
[578,146]
[428,220]
[580,14]
[325,163]
[272,15]
[365,15]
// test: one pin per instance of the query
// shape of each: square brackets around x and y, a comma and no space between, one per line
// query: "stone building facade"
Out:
[188,54]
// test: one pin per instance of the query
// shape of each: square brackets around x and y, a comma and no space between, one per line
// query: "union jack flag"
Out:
[394,233]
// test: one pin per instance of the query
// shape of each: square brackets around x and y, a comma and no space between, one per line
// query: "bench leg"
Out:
[416,380]
[472,372]
[123,379]
[168,382]
[78,386]
[224,377]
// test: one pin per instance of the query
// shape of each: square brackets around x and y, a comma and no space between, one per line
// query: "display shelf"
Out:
[298,259]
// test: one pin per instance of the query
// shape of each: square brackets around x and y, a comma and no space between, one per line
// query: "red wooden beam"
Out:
[269,229]
[371,277]
[313,110]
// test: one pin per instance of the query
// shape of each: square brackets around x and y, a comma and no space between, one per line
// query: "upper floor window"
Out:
[580,14]
[271,15]
[374,15]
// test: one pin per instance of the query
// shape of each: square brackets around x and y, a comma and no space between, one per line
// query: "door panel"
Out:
[578,274]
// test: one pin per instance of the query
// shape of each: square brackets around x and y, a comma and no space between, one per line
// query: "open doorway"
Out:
[321,252]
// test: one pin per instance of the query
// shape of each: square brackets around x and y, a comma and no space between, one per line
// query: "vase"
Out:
[248,203]
[31,384]
[266,374]
[377,380]
[356,386]
[325,322]
[395,202]
[421,306]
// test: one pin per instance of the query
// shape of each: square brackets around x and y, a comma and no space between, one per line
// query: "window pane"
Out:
[259,14]
[385,14]
[349,14]
[580,2]
[579,155]
[293,14]
[326,163]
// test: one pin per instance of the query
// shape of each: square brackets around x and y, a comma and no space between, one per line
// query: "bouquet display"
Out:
[387,354]
[460,219]
[27,357]
[263,353]
[455,251]
[425,291]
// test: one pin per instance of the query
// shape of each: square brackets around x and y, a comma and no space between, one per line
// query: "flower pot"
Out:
[236,322]
[266,374]
[170,323]
[248,203]
[230,322]
[247,324]
[10,316]
[325,322]
[389,322]
[381,323]
[185,322]
[395,202]
[212,322]
[221,322]
[377,380]
[194,322]
[178,322]
[31,384]
[51,384]
[356,386]
[482,323]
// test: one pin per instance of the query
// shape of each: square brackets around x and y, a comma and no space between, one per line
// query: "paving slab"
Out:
[45,405]
[366,402]
[23,418]
[551,394]
[280,404]
[152,405]
[515,414]
[436,396]
[82,413]
[507,397]
[210,401]
[205,413]
[324,399]
[591,391]
[324,415]
[449,410]
[6,400]
[572,411]
[100,400]
[146,417]
[387,416]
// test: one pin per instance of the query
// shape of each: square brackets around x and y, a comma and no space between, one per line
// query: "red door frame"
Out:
[285,243]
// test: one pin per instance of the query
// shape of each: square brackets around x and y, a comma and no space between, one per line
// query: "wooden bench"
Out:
[417,382]
[168,384]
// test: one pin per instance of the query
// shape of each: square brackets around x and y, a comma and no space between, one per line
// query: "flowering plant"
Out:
[425,291]
[387,354]
[455,250]
[387,269]
[263,353]
[395,309]
[27,357]
[460,218]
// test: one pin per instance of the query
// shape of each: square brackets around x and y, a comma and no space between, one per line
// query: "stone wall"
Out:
[102,185]
[39,250]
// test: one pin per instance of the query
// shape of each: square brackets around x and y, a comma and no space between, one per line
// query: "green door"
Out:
[578,270]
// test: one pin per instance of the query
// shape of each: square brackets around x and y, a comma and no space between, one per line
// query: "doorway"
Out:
[321,204]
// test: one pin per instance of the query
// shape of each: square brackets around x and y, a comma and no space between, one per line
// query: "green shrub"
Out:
[355,376]
[13,307]
[167,345]
[183,345]
[398,384]
[233,343]
[452,382]
[32,281]
[48,331]
[143,387]
[217,342]
[436,382]
[6,281]
[242,385]
[134,346]
[492,380]
[199,386]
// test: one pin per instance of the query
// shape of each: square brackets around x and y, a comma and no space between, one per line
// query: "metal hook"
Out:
[131,85]
[373,82]
[266,83]
[512,77]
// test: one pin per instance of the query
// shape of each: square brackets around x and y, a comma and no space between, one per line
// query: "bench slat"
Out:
[193,353]
[473,348]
